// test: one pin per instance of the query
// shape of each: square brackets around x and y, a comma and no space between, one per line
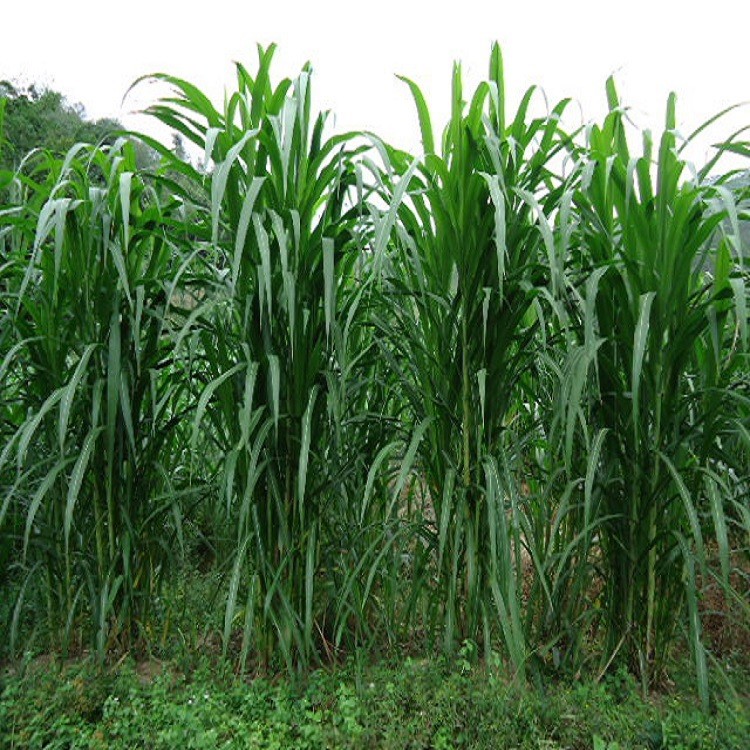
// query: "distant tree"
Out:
[38,117]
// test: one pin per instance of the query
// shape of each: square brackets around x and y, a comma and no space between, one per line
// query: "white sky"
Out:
[92,50]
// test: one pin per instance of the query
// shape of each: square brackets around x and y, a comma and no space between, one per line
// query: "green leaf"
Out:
[76,480]
[242,225]
[423,113]
[328,283]
[69,390]
[44,487]
[640,339]
[304,451]
[408,462]
[205,397]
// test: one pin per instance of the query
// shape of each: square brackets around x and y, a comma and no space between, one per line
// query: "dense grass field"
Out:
[311,399]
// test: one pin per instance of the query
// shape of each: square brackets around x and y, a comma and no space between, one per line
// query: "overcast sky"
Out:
[93,50]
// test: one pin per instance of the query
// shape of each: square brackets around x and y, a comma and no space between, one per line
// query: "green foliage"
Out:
[419,704]
[662,336]
[459,320]
[491,401]
[93,466]
[38,117]
[280,333]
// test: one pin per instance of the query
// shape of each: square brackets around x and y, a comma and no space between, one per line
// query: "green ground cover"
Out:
[417,704]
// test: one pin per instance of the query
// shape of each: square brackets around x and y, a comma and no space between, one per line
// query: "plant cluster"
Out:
[497,394]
